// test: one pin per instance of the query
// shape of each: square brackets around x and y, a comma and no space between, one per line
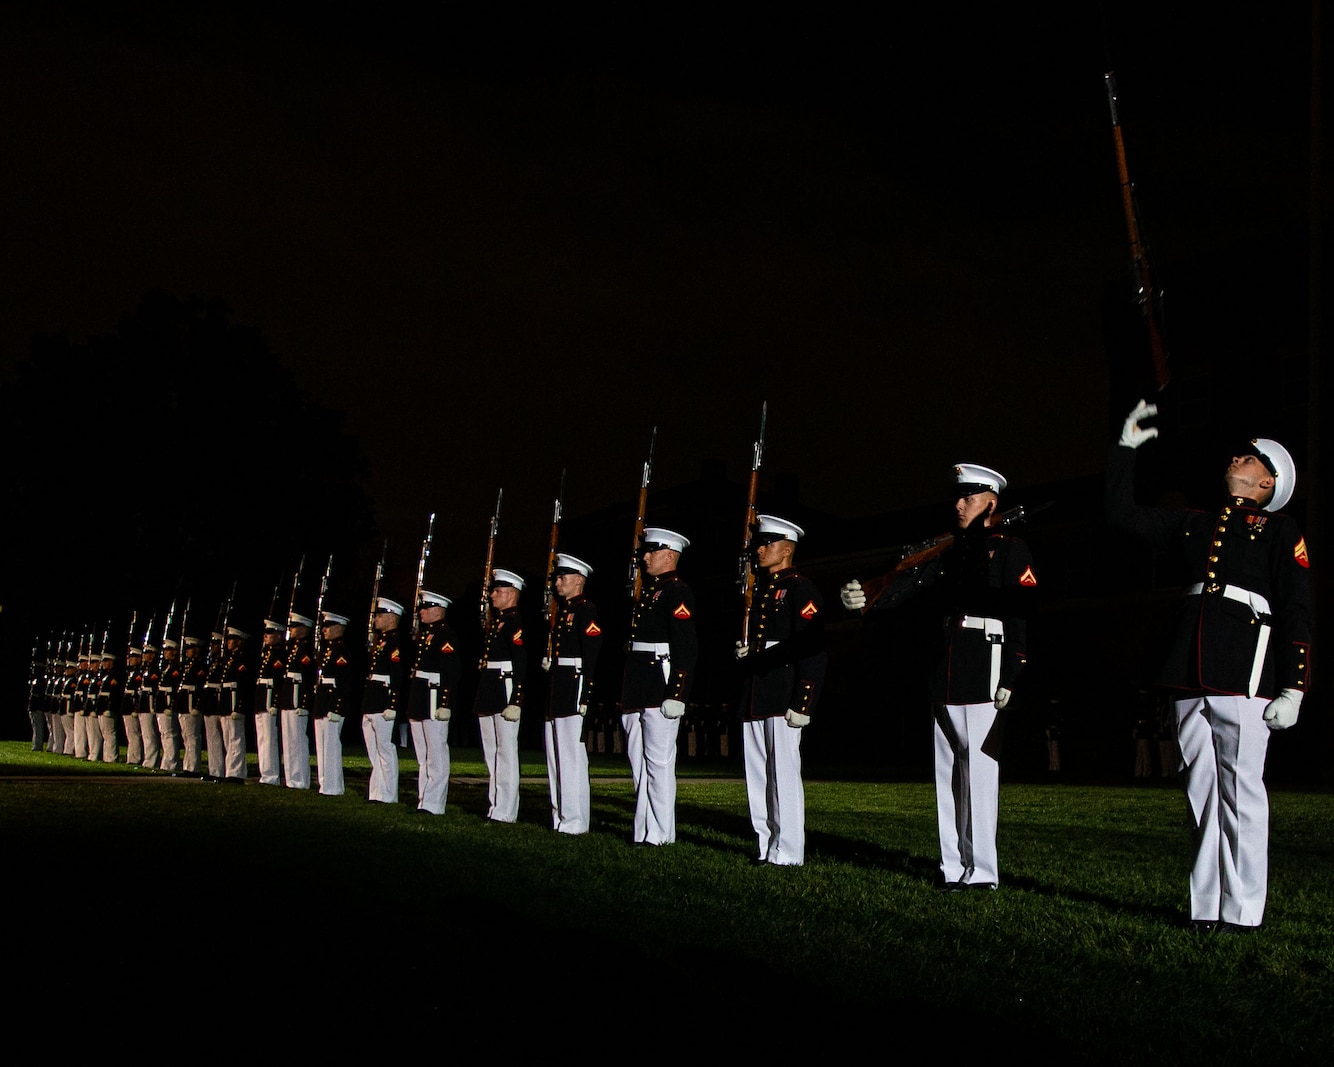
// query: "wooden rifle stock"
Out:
[925,551]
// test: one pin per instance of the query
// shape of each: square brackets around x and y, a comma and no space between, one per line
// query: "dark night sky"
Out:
[508,249]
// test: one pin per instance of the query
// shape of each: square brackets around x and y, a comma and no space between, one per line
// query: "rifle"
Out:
[1148,298]
[489,568]
[421,574]
[746,577]
[224,613]
[166,631]
[296,584]
[549,593]
[319,619]
[635,581]
[925,551]
[375,597]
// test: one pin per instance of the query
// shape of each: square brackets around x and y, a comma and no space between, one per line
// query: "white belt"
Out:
[295,676]
[770,644]
[214,685]
[269,682]
[383,679]
[228,685]
[1259,606]
[568,661]
[505,666]
[658,648]
[994,630]
[433,677]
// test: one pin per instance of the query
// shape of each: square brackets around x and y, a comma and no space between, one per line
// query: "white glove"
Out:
[1002,697]
[673,709]
[511,712]
[389,714]
[796,719]
[235,716]
[583,709]
[546,663]
[302,712]
[273,712]
[1132,434]
[742,650]
[335,717]
[1281,712]
[441,714]
[852,596]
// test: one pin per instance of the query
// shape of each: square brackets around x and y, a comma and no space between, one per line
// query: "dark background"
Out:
[280,285]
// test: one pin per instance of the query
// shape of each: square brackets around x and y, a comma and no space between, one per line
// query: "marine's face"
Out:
[968,507]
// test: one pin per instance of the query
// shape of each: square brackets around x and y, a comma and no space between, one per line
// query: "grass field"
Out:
[1081,954]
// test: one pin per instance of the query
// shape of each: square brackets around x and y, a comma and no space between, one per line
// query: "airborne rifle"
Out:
[421,574]
[635,580]
[489,567]
[746,576]
[375,597]
[549,592]
[1148,297]
[925,551]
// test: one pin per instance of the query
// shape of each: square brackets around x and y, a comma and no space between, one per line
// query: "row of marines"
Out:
[184,708]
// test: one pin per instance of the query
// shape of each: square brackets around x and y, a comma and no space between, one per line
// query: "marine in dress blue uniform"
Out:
[435,679]
[334,679]
[576,641]
[269,673]
[1239,659]
[296,694]
[499,700]
[785,664]
[659,675]
[380,699]
[980,587]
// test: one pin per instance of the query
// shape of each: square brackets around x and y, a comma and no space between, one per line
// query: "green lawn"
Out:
[1081,953]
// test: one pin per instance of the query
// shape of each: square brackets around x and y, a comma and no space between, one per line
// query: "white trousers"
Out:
[967,793]
[102,739]
[1223,741]
[233,736]
[57,733]
[296,748]
[68,719]
[567,771]
[80,734]
[192,730]
[216,744]
[268,749]
[378,733]
[650,745]
[152,744]
[772,753]
[171,744]
[134,745]
[430,740]
[500,749]
[329,756]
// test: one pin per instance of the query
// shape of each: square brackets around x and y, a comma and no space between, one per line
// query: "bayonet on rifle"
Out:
[746,578]
[489,568]
[635,581]
[549,593]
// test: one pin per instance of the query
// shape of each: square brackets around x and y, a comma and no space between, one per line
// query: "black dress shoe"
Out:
[951,887]
[980,885]
[1236,928]
[1203,926]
